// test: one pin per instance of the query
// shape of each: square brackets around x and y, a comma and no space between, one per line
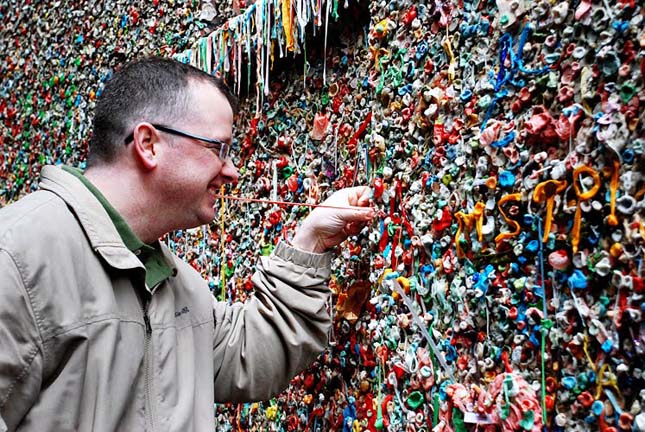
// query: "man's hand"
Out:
[327,227]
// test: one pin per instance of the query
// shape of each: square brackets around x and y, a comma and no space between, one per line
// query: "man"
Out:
[101,327]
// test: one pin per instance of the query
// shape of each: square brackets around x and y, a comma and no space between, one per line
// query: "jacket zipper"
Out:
[146,364]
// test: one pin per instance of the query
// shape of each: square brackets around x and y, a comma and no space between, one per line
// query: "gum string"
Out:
[285,203]
[424,330]
[221,233]
[543,330]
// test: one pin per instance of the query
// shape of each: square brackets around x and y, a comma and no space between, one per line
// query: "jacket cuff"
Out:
[302,258]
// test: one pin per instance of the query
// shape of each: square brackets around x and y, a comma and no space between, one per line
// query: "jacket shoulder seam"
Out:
[34,351]
[30,359]
[25,286]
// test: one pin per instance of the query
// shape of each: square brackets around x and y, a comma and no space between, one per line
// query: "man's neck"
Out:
[128,197]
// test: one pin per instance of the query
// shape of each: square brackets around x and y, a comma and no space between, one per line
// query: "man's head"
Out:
[152,89]
[159,130]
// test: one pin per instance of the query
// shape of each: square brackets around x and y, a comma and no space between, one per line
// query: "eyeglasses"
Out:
[220,148]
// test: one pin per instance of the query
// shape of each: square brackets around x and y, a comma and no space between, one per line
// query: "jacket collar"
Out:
[101,232]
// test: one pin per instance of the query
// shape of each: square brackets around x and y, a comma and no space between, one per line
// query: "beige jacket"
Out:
[86,346]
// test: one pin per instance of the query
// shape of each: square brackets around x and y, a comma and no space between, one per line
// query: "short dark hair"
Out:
[147,89]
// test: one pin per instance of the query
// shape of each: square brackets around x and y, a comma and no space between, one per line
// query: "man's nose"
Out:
[230,172]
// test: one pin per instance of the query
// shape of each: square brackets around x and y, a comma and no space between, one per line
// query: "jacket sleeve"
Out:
[262,344]
[20,346]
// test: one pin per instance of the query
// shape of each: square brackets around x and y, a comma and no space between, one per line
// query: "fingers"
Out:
[327,227]
[358,196]
[364,198]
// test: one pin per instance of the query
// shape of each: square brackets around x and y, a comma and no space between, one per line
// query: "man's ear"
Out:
[145,145]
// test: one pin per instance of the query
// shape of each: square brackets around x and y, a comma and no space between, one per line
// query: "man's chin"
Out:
[207,216]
